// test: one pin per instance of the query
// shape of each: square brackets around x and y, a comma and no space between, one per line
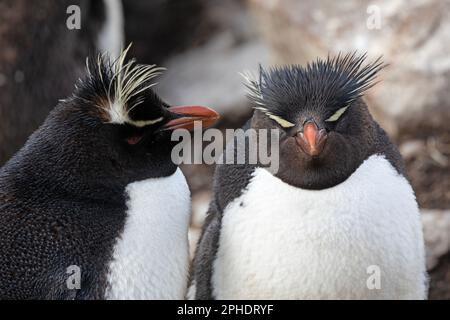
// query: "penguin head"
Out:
[326,130]
[115,127]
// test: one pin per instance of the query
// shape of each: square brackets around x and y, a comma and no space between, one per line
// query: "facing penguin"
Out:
[94,194]
[338,220]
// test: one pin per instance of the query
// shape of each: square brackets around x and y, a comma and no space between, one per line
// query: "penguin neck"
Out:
[318,175]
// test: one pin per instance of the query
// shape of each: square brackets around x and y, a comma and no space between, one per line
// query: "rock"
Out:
[440,280]
[412,148]
[436,228]
[427,162]
[161,28]
[209,75]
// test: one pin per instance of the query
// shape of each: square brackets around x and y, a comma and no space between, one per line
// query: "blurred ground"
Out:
[427,159]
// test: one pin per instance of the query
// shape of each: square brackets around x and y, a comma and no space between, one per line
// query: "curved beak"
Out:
[311,139]
[185,116]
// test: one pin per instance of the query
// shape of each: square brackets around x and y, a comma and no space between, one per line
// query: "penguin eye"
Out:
[337,114]
[281,121]
[134,140]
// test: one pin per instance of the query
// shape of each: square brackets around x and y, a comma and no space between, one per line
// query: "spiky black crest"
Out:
[325,84]
[117,88]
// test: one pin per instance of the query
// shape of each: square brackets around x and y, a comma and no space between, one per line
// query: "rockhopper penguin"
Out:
[95,187]
[337,213]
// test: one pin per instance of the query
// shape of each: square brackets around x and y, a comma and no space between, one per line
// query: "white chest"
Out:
[151,258]
[282,242]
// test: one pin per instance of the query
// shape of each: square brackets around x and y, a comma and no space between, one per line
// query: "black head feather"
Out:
[324,84]
[119,91]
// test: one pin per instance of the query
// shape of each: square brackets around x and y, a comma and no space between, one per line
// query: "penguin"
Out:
[93,206]
[337,220]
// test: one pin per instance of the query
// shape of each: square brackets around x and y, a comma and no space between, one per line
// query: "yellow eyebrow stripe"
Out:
[337,114]
[281,121]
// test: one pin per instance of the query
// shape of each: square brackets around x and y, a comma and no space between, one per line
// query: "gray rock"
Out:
[209,75]
[436,228]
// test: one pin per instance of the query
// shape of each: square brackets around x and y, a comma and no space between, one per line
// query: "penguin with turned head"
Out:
[337,220]
[93,207]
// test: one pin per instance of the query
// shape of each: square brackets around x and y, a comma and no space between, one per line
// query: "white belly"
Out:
[281,242]
[151,259]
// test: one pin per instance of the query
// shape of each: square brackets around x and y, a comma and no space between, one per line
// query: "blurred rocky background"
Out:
[40,60]
[205,43]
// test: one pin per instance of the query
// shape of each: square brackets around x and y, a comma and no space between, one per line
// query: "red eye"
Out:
[133,140]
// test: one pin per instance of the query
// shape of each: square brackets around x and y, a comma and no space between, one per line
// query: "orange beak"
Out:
[312,140]
[187,115]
